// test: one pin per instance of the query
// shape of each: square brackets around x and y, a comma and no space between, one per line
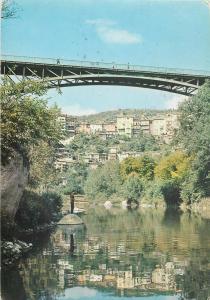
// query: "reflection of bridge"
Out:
[62,73]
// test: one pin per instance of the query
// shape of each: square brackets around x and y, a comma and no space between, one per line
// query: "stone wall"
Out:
[14,178]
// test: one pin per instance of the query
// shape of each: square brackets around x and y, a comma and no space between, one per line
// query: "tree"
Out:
[43,174]
[104,180]
[132,188]
[9,9]
[26,120]
[174,166]
[170,173]
[142,167]
[140,143]
[75,177]
[194,136]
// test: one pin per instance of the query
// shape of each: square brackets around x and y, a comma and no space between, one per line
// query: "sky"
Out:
[158,33]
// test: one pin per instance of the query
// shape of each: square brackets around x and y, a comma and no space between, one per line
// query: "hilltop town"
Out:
[116,128]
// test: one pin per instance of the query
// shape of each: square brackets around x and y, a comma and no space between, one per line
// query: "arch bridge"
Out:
[58,73]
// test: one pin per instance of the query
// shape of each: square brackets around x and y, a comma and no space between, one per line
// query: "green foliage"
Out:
[142,167]
[43,175]
[194,136]
[140,143]
[197,184]
[83,143]
[104,181]
[38,209]
[173,167]
[132,187]
[75,179]
[152,193]
[25,118]
[171,191]
[170,172]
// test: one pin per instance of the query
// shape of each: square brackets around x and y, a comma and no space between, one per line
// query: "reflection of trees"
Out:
[196,282]
[12,285]
[40,277]
[115,242]
[171,217]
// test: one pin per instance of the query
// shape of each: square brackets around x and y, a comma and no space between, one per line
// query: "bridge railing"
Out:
[94,64]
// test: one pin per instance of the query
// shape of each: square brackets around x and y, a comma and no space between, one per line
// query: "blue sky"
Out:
[163,33]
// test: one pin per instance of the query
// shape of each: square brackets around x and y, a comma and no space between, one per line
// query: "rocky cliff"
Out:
[14,178]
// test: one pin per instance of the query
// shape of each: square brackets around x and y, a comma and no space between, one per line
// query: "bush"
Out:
[104,180]
[171,192]
[36,209]
[173,167]
[153,193]
[132,188]
[191,190]
[161,192]
[141,166]
[75,179]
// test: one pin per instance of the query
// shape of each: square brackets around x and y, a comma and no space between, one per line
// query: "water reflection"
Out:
[148,254]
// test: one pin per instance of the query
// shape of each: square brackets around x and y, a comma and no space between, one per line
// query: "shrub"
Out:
[141,166]
[75,178]
[171,192]
[153,193]
[173,167]
[36,209]
[132,187]
[104,180]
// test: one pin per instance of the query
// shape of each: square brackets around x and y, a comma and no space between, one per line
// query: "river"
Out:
[119,254]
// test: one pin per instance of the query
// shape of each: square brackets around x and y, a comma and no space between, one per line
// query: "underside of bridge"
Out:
[58,74]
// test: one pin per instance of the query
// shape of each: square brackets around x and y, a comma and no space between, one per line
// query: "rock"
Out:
[124,204]
[8,245]
[12,251]
[22,244]
[14,178]
[108,204]
[70,220]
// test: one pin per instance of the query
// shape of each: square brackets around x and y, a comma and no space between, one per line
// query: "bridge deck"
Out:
[62,73]
[102,65]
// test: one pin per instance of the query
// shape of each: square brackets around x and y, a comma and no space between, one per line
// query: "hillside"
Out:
[108,116]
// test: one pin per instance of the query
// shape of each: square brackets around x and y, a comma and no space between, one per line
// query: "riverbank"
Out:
[201,208]
[13,248]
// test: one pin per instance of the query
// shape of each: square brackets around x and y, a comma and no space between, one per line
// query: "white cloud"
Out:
[109,34]
[100,22]
[174,102]
[78,110]
[117,36]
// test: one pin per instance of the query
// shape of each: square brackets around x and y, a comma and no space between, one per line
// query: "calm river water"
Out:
[145,254]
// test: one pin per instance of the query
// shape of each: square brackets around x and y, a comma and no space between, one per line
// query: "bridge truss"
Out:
[57,73]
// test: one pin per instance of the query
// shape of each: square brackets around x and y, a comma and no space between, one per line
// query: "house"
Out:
[84,128]
[68,124]
[95,128]
[125,125]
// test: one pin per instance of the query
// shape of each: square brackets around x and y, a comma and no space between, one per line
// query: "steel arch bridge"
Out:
[58,73]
